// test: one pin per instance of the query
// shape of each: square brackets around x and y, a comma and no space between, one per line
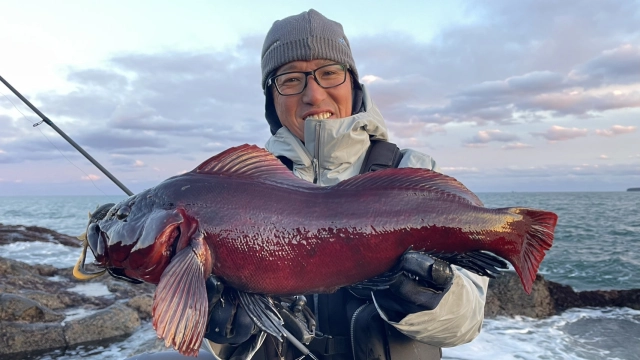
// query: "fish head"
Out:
[136,238]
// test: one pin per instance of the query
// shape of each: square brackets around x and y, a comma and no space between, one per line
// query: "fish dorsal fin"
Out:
[411,178]
[246,161]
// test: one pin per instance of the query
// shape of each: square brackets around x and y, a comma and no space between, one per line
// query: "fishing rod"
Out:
[69,140]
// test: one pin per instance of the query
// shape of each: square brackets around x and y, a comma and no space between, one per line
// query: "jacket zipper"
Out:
[353,322]
[316,156]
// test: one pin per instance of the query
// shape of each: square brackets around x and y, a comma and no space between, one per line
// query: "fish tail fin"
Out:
[180,305]
[538,238]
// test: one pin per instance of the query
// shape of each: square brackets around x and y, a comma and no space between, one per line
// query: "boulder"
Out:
[19,340]
[114,322]
[35,298]
[566,298]
[506,297]
[18,308]
[12,233]
[143,304]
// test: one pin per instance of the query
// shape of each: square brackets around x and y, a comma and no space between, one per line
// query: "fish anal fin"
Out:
[248,161]
[412,179]
[180,305]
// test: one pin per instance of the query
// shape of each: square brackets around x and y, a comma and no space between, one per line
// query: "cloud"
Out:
[616,130]
[516,146]
[115,140]
[487,136]
[562,170]
[413,128]
[99,79]
[126,161]
[140,101]
[91,177]
[559,133]
[614,66]
[518,63]
[457,170]
[579,102]
[603,157]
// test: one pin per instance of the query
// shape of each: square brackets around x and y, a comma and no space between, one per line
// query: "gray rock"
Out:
[506,297]
[143,304]
[52,301]
[16,276]
[125,290]
[20,339]
[114,322]
[565,297]
[20,278]
[18,308]
[12,233]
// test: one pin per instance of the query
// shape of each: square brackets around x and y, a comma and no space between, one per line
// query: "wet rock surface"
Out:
[507,298]
[43,313]
[43,308]
[12,233]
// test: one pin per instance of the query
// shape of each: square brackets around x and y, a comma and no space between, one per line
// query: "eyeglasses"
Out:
[294,82]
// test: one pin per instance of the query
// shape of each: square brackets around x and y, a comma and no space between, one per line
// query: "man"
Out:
[324,127]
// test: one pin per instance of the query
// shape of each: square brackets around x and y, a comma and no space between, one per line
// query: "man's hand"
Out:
[229,322]
[423,282]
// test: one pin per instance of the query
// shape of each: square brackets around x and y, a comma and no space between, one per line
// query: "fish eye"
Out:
[123,212]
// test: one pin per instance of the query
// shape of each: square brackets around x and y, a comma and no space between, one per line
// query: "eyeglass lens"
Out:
[327,76]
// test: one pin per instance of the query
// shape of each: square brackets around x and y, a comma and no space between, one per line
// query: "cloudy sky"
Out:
[505,95]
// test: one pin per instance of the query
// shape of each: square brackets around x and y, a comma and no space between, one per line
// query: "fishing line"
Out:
[35,125]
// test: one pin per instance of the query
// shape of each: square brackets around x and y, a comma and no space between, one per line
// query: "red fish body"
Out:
[247,219]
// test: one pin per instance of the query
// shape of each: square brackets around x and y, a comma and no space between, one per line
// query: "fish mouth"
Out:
[170,235]
[79,271]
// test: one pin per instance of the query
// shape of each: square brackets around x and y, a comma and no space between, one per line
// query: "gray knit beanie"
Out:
[305,37]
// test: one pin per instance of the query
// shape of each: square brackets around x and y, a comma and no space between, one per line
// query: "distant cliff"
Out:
[633,189]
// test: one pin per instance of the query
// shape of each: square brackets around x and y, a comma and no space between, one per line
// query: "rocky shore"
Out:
[43,308]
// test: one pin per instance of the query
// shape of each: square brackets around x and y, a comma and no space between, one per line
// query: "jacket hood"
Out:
[333,149]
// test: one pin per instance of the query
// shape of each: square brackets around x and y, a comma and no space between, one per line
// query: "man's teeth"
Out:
[321,116]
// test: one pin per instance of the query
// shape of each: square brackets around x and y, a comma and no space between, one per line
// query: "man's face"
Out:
[314,102]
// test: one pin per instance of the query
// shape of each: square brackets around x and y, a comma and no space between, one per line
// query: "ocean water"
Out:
[596,247]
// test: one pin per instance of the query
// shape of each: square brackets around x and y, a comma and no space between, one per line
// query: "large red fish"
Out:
[244,217]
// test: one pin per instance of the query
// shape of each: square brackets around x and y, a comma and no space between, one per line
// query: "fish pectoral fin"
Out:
[478,262]
[262,311]
[180,306]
